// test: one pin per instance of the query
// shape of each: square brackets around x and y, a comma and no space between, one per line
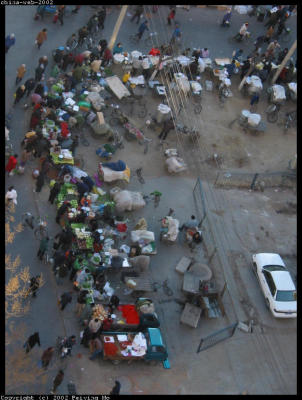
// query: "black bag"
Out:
[56,245]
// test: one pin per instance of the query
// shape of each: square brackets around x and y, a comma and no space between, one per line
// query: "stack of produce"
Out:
[99,312]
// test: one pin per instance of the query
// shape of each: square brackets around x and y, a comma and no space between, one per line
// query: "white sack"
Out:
[142,234]
[175,164]
[254,119]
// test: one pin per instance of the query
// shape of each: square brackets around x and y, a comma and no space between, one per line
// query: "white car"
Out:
[277,285]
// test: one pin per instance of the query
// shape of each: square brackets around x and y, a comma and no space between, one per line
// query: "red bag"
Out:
[55,18]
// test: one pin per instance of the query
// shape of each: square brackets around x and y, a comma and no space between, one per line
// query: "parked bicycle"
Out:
[272,112]
[289,120]
[41,231]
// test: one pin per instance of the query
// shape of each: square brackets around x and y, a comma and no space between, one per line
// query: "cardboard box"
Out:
[100,117]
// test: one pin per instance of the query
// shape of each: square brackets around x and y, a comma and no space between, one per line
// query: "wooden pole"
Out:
[286,58]
[117,27]
[246,75]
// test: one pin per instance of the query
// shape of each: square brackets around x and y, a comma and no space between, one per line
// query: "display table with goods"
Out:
[62,156]
[147,346]
[68,192]
[83,236]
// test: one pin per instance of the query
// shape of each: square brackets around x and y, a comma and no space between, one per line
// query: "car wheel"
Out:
[254,268]
[267,303]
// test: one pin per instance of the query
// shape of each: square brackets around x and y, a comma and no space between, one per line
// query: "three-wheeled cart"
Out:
[117,347]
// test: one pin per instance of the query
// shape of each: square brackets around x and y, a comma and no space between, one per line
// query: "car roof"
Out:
[283,280]
[270,259]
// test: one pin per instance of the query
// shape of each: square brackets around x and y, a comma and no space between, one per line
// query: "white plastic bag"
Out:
[254,119]
[175,164]
[142,234]
[202,65]
[278,93]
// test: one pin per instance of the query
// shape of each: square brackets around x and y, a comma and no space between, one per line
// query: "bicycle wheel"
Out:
[130,136]
[114,121]
[40,233]
[197,109]
[142,111]
[84,141]
[272,117]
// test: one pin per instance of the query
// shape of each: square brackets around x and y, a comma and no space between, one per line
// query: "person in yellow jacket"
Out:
[20,73]
[126,77]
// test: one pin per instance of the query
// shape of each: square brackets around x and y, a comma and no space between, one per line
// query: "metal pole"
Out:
[117,27]
[286,58]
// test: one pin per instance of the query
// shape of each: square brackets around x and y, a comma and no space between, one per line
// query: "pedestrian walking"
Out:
[34,285]
[41,37]
[176,35]
[102,17]
[171,16]
[54,191]
[43,62]
[19,94]
[254,99]
[269,34]
[280,28]
[107,57]
[76,9]
[10,40]
[61,15]
[11,196]
[137,14]
[81,301]
[57,381]
[92,24]
[20,73]
[65,299]
[47,356]
[11,164]
[29,85]
[96,348]
[168,125]
[141,29]
[38,73]
[116,388]
[74,144]
[40,182]
[270,51]
[32,341]
[44,242]
[87,337]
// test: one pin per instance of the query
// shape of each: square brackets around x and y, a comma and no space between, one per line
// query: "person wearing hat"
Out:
[20,73]
[19,94]
[10,40]
[41,37]
[243,30]
[43,61]
[29,85]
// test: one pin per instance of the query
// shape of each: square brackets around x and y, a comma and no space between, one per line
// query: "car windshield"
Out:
[286,295]
[274,268]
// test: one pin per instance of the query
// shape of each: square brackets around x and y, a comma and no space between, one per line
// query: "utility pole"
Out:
[117,27]
[286,58]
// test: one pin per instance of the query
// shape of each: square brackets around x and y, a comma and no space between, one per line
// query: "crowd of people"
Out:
[70,68]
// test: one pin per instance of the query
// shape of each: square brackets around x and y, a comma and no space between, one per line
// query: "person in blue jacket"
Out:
[142,29]
[10,40]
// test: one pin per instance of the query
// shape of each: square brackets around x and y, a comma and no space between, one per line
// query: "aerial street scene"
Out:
[150,199]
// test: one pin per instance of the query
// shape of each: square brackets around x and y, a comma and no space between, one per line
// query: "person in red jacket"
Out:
[171,16]
[12,163]
[107,56]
